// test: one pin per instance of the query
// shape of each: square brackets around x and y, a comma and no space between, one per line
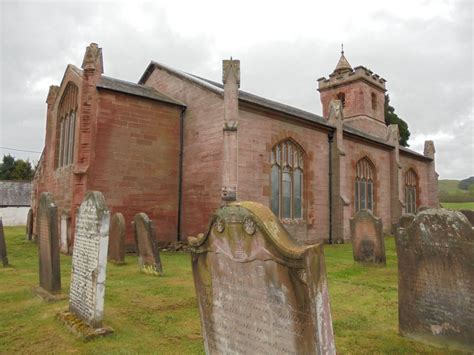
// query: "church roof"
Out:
[135,89]
[273,105]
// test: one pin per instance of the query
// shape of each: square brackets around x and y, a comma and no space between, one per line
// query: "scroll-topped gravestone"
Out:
[147,249]
[117,239]
[436,278]
[367,238]
[48,247]
[259,290]
[3,246]
[29,225]
[89,261]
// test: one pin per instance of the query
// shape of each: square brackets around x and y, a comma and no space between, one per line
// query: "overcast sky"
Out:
[424,49]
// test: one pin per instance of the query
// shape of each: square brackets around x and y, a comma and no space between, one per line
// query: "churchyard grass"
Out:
[458,205]
[159,314]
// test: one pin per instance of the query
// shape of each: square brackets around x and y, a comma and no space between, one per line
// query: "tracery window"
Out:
[67,111]
[287,161]
[410,191]
[364,185]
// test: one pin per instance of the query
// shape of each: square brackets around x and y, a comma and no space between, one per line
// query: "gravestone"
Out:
[147,248]
[89,261]
[3,246]
[436,278]
[469,215]
[48,249]
[29,225]
[117,239]
[259,290]
[65,223]
[367,238]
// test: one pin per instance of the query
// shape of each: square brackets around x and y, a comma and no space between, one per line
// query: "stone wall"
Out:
[14,216]
[136,162]
[436,277]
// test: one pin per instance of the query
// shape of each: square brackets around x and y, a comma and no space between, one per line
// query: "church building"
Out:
[176,146]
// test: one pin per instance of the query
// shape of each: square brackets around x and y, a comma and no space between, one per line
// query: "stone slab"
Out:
[48,244]
[3,246]
[367,238]
[81,328]
[29,225]
[64,237]
[436,278]
[259,290]
[147,249]
[116,253]
[89,260]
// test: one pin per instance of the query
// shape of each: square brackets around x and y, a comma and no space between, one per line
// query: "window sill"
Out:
[289,221]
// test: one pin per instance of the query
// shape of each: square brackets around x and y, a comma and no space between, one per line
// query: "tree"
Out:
[392,118]
[12,169]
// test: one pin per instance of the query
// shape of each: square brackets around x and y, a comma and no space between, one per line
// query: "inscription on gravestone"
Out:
[48,245]
[117,239]
[367,238]
[3,246]
[435,252]
[89,260]
[147,249]
[259,290]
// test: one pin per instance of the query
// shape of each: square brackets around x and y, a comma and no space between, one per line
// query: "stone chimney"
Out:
[92,61]
[231,81]
[429,149]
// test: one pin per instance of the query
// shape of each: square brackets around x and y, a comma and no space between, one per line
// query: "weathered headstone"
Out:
[469,215]
[65,222]
[145,240]
[48,249]
[29,225]
[259,290]
[3,246]
[436,278]
[367,238]
[89,261]
[117,239]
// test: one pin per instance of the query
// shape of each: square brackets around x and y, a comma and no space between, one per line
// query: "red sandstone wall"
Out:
[257,136]
[136,160]
[203,139]
[381,159]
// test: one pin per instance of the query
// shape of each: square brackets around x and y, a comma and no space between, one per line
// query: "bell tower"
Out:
[362,94]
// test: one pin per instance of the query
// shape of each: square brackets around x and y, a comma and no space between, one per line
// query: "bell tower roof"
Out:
[343,65]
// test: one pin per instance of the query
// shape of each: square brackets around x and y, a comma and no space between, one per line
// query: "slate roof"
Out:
[15,193]
[127,87]
[218,88]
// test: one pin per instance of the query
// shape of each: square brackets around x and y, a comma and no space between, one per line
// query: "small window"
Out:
[364,185]
[374,101]
[342,97]
[287,180]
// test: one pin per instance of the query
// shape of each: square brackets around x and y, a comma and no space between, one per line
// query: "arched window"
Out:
[342,97]
[66,126]
[364,185]
[287,180]
[410,191]
[374,101]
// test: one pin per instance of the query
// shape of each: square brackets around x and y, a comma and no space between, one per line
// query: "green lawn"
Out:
[458,205]
[159,314]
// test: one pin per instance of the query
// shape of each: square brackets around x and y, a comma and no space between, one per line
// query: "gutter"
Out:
[180,177]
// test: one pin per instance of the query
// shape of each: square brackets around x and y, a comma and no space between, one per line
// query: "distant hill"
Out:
[449,191]
[466,183]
